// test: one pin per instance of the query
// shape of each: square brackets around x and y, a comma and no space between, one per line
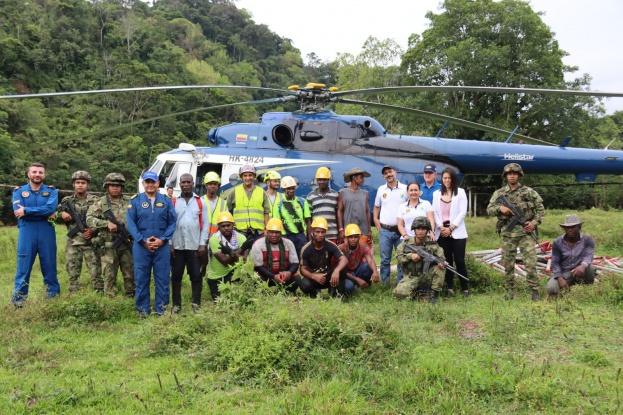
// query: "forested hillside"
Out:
[52,45]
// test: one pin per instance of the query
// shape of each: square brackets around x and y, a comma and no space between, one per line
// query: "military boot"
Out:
[535,295]
[432,296]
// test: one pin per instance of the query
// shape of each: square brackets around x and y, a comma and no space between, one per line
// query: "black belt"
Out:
[390,228]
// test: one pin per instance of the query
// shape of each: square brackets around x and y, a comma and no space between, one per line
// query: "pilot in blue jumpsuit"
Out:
[151,220]
[33,203]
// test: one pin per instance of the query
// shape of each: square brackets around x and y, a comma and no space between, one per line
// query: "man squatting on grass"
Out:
[275,257]
[572,255]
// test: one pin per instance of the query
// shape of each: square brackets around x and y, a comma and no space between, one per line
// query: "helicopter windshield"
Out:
[171,172]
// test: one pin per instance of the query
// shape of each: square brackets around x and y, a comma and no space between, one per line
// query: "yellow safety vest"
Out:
[249,213]
[219,207]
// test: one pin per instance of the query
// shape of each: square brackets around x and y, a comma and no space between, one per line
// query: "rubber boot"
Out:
[432,297]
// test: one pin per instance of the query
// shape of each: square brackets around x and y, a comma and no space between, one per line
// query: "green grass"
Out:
[261,351]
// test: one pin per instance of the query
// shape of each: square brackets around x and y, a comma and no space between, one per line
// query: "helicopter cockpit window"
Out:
[171,172]
[156,165]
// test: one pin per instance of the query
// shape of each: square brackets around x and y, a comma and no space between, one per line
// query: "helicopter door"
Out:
[313,135]
[348,135]
[171,172]
[202,170]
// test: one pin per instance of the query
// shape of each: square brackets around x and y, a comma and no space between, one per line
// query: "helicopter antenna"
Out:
[613,140]
[443,127]
[512,134]
[565,142]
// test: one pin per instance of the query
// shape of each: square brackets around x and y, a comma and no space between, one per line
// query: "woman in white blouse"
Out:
[450,208]
[413,208]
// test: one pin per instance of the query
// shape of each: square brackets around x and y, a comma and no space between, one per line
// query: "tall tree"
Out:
[494,43]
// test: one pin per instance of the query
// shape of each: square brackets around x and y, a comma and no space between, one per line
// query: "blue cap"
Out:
[430,168]
[150,175]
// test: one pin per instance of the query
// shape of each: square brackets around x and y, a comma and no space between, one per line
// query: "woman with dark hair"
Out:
[413,208]
[450,208]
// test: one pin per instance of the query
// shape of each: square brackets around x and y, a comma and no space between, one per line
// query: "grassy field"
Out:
[260,351]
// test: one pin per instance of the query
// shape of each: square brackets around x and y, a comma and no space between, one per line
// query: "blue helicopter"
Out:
[297,143]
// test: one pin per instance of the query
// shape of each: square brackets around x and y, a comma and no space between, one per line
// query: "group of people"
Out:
[309,243]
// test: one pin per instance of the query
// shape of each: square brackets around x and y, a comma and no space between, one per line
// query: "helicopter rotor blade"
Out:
[436,116]
[453,88]
[174,114]
[147,88]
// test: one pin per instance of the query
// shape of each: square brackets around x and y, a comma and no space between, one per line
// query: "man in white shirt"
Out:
[188,244]
[389,197]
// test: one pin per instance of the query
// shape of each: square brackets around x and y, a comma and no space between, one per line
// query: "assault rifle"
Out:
[517,218]
[429,258]
[79,220]
[123,236]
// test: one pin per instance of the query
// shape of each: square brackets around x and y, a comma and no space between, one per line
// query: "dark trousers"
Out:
[186,259]
[454,251]
[214,284]
[311,287]
[291,285]
[299,240]
[252,234]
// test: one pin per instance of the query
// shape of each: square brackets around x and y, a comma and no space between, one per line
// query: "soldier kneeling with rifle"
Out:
[416,254]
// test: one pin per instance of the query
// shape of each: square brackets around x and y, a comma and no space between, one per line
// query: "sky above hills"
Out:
[589,30]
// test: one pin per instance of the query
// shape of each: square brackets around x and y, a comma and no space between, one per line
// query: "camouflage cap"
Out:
[81,175]
[114,178]
[420,222]
[512,167]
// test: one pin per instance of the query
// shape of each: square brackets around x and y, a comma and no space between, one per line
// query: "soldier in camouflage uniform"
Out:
[80,246]
[113,258]
[414,278]
[530,204]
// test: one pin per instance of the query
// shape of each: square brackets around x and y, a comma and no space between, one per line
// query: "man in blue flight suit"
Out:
[151,220]
[33,204]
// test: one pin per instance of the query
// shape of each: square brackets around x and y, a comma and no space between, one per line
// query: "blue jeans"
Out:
[388,241]
[364,272]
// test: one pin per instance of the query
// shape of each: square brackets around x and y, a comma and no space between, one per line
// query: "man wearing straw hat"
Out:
[572,255]
[353,206]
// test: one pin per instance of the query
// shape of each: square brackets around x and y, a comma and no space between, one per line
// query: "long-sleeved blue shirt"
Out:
[188,235]
[145,219]
[38,206]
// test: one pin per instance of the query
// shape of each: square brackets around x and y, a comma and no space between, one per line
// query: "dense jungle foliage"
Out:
[53,45]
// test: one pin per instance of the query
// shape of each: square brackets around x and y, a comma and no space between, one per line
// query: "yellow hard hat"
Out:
[323,173]
[352,229]
[211,177]
[224,217]
[320,222]
[274,224]
[288,181]
[272,175]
